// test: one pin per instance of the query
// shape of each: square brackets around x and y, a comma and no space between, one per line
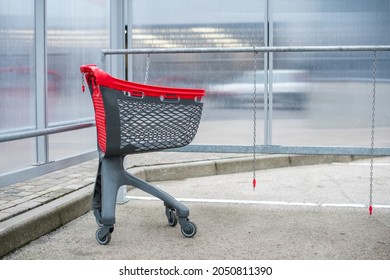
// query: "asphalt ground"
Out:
[301,212]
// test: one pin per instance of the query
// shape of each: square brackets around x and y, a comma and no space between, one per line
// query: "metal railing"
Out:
[227,148]
[266,148]
[261,149]
[56,128]
[106,52]
[41,168]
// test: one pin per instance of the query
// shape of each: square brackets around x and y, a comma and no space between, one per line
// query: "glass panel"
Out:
[335,89]
[17,88]
[76,32]
[202,23]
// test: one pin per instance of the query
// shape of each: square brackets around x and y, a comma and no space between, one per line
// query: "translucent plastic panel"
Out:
[335,88]
[63,145]
[17,155]
[17,87]
[76,32]
[332,22]
[17,64]
[227,115]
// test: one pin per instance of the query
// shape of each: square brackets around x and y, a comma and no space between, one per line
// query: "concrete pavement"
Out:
[304,207]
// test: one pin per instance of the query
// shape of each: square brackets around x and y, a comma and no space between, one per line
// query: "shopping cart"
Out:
[134,118]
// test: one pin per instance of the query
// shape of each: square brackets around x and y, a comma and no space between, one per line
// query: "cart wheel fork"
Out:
[171,216]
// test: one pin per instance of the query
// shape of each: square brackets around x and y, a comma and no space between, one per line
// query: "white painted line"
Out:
[262,202]
[343,205]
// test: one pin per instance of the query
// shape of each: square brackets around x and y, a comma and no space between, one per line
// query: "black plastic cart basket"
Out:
[134,118]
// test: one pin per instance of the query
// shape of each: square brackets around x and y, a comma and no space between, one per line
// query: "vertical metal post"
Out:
[117,62]
[40,79]
[129,39]
[117,37]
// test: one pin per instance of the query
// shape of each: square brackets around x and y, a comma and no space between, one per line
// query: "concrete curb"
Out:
[179,171]
[22,229]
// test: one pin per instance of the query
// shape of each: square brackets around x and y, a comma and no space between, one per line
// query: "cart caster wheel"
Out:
[189,232]
[105,239]
[172,218]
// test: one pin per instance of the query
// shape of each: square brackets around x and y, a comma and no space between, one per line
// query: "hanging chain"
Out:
[254,117]
[372,130]
[147,69]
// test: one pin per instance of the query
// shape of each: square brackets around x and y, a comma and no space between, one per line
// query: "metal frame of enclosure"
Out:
[113,60]
[267,148]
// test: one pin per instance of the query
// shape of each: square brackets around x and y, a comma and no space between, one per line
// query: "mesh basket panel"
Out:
[157,125]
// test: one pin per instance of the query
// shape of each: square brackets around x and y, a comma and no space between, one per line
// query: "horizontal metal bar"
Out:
[278,149]
[71,122]
[51,125]
[38,170]
[45,131]
[246,49]
[17,130]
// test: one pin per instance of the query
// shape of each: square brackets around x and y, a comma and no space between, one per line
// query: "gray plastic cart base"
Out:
[110,177]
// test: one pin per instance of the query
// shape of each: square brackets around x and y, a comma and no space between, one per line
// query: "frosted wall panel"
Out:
[17,87]
[76,32]
[335,88]
[219,24]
